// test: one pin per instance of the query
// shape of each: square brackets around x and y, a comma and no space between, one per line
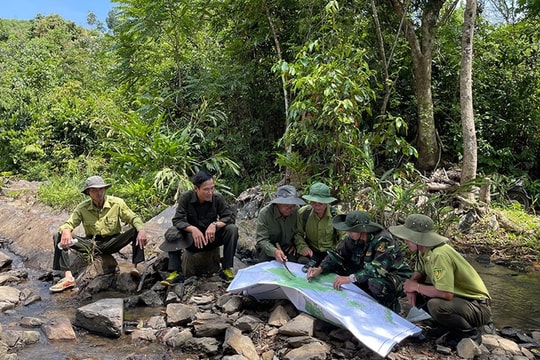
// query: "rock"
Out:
[31,322]
[536,336]
[298,341]
[468,349]
[103,317]
[201,263]
[180,314]
[143,335]
[279,316]
[240,344]
[495,341]
[207,345]
[311,351]
[248,323]
[211,327]
[151,298]
[5,261]
[303,324]
[15,338]
[59,329]
[233,305]
[9,295]
[173,337]
[156,322]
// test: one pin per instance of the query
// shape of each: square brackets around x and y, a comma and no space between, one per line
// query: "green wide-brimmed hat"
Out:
[418,229]
[320,193]
[355,221]
[286,194]
[94,182]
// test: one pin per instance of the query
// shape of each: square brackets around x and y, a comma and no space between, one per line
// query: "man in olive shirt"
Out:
[315,234]
[101,216]
[276,223]
[444,283]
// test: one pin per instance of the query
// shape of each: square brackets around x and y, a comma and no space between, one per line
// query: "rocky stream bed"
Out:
[110,315]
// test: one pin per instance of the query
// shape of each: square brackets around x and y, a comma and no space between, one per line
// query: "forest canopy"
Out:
[258,92]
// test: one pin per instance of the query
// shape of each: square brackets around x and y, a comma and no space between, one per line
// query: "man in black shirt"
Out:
[203,221]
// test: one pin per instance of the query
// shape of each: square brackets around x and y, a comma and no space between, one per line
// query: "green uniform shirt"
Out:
[273,228]
[105,221]
[319,234]
[449,271]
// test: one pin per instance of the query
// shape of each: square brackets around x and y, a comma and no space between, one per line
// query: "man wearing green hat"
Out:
[368,257]
[444,283]
[314,231]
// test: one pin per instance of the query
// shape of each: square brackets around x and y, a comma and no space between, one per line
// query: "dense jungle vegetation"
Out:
[261,92]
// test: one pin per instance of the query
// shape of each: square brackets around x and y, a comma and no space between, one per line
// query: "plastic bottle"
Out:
[73,241]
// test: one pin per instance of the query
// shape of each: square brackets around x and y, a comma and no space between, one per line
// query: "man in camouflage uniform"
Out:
[369,257]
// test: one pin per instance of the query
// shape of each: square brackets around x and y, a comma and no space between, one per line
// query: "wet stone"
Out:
[105,317]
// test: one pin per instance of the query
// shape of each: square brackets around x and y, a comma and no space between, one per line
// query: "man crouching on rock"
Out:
[444,283]
[101,216]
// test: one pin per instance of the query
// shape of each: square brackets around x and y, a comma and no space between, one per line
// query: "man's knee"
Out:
[382,290]
[230,231]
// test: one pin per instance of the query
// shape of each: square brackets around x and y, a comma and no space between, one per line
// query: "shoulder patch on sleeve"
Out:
[437,273]
[381,246]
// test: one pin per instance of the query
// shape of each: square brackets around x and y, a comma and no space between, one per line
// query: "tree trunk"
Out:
[422,49]
[427,146]
[286,143]
[468,170]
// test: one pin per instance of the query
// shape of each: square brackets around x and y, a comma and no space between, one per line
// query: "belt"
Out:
[102,237]
[486,302]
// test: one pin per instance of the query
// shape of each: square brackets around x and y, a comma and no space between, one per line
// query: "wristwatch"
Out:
[353,278]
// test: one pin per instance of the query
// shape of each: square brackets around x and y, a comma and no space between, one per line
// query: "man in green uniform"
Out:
[314,231]
[368,257]
[276,224]
[101,216]
[444,283]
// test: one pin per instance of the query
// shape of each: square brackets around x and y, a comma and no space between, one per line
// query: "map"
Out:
[376,326]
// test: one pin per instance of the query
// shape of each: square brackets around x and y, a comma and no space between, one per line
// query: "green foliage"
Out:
[61,192]
[47,115]
[197,85]
[330,83]
[507,98]
[140,196]
[170,156]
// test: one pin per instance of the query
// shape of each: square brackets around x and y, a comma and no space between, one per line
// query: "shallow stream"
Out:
[514,305]
[515,296]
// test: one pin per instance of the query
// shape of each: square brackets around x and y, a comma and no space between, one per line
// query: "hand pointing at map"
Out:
[313,272]
[341,280]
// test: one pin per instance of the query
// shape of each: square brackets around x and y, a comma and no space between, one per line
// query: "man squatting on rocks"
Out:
[101,216]
[314,231]
[444,283]
[203,221]
[368,257]
[276,224]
